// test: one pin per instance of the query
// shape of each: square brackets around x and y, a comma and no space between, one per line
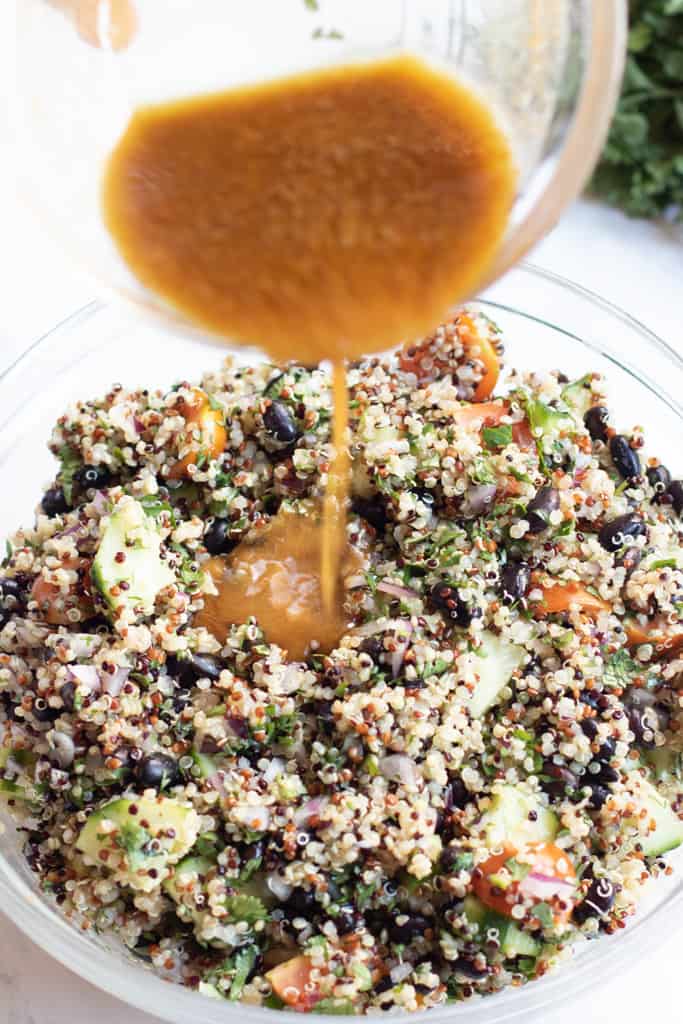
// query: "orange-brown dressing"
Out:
[328,214]
[319,217]
[277,579]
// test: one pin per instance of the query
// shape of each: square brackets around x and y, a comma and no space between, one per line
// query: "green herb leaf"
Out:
[242,907]
[544,914]
[641,168]
[70,461]
[245,961]
[497,437]
[620,669]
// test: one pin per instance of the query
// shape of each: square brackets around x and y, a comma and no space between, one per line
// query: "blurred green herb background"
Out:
[641,169]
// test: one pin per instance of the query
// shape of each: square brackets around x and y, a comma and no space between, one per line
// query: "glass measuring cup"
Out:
[549,69]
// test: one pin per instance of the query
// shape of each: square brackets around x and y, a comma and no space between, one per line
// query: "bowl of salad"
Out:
[468,804]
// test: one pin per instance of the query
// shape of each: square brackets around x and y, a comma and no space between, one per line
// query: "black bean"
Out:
[11,599]
[659,479]
[187,669]
[279,422]
[54,502]
[606,750]
[644,722]
[372,510]
[561,781]
[595,422]
[347,920]
[598,795]
[448,601]
[411,926]
[372,646]
[457,795]
[589,728]
[68,695]
[42,712]
[606,775]
[467,967]
[218,539]
[591,698]
[675,492]
[616,532]
[157,771]
[9,706]
[425,496]
[514,581]
[383,985]
[300,903]
[322,710]
[626,461]
[92,477]
[538,510]
[597,902]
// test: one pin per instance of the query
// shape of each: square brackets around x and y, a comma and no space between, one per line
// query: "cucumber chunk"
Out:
[668,831]
[131,533]
[137,847]
[496,662]
[513,941]
[190,869]
[508,821]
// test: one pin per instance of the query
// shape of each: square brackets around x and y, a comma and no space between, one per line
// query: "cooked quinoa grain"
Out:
[486,769]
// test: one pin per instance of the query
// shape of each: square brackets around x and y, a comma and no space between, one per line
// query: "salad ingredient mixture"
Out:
[479,766]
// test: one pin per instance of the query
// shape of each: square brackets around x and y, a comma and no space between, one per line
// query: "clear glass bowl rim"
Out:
[145,991]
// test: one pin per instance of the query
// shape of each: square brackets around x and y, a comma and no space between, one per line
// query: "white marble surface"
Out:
[638,266]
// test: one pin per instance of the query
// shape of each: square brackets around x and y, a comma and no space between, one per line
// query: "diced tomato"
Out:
[540,873]
[559,597]
[428,362]
[521,434]
[291,981]
[213,435]
[472,339]
[653,633]
[483,414]
[54,604]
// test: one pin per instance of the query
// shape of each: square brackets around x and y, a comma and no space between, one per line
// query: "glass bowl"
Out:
[549,69]
[547,323]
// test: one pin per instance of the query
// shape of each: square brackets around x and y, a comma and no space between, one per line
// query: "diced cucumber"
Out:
[205,764]
[513,941]
[668,831]
[496,663]
[134,844]
[666,763]
[508,819]
[210,991]
[130,533]
[189,869]
[544,420]
[579,395]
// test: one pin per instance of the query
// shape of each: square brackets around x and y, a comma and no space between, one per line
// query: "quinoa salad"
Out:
[484,771]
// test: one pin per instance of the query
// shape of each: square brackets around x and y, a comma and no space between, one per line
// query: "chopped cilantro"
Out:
[497,437]
[70,461]
[620,669]
[242,907]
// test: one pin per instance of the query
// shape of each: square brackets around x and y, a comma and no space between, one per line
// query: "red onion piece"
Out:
[311,809]
[545,887]
[100,503]
[86,675]
[399,768]
[113,684]
[396,590]
[478,499]
[399,653]
[216,782]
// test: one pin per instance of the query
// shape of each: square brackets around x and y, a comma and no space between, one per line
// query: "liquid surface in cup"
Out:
[319,217]
[277,578]
[332,213]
